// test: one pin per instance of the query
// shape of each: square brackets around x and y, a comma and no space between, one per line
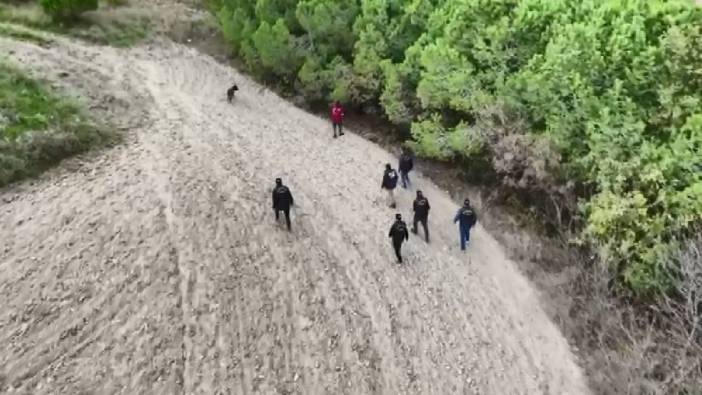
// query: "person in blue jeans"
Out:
[466,218]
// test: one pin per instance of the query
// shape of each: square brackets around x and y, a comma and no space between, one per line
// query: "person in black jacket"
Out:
[389,183]
[405,166]
[398,233]
[282,200]
[421,214]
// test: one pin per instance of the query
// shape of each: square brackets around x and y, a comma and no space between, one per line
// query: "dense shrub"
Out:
[67,9]
[605,95]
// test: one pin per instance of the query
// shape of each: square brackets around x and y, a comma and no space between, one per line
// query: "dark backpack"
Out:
[282,191]
[405,163]
[282,194]
[468,216]
[421,206]
[399,231]
[392,178]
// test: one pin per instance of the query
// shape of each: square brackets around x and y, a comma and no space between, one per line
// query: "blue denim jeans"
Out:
[465,236]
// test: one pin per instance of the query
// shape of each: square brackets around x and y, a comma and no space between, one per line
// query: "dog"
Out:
[230,92]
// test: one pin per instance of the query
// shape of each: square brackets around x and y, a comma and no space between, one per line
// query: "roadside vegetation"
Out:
[589,111]
[38,127]
[82,19]
[23,33]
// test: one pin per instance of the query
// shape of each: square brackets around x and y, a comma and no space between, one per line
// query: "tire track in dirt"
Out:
[203,293]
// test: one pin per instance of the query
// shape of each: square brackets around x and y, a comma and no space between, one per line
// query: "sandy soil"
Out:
[157,268]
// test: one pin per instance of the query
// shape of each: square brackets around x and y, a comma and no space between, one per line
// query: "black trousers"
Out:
[337,125]
[424,221]
[404,176]
[397,245]
[285,211]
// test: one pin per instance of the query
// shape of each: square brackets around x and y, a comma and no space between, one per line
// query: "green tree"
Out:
[276,50]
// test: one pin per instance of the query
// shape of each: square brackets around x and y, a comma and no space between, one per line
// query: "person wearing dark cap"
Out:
[282,200]
[466,218]
[421,214]
[389,183]
[398,234]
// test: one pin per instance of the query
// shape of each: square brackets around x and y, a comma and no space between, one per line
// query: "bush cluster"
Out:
[600,100]
[62,10]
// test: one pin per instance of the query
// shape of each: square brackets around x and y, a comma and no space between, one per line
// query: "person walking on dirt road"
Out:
[389,183]
[337,118]
[466,218]
[405,166]
[421,214]
[398,233]
[282,200]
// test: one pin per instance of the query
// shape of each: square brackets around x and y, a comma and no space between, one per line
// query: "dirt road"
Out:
[156,267]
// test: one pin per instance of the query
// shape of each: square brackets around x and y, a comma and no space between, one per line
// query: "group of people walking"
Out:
[465,217]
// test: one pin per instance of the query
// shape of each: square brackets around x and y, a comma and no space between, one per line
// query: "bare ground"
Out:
[156,267]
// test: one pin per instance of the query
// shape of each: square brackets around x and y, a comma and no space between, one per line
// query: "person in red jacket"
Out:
[337,117]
